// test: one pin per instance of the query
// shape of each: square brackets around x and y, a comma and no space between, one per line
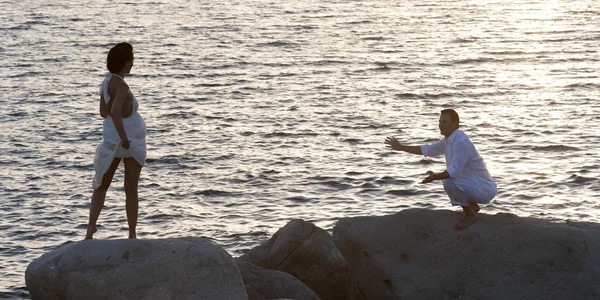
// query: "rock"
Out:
[307,252]
[183,268]
[416,254]
[271,284]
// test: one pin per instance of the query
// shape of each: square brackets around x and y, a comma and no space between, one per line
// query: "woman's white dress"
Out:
[135,127]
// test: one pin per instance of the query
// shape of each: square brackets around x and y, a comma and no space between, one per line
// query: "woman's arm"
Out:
[115,112]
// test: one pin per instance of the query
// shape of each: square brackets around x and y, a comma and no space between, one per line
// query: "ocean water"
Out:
[262,111]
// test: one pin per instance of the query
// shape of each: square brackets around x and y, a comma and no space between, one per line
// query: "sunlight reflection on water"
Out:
[261,112]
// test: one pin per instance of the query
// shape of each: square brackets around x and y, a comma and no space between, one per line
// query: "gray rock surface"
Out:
[307,252]
[264,284]
[416,254]
[183,268]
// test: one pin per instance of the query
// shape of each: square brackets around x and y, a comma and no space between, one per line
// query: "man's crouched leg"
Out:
[460,196]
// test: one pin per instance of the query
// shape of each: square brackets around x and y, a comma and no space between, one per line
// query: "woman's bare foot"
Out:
[132,235]
[90,232]
[465,221]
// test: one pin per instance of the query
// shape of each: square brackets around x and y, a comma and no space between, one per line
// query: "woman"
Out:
[124,138]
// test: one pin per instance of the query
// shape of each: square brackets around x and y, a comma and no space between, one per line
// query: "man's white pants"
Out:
[462,191]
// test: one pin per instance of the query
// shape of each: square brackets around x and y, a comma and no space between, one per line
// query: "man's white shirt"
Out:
[463,162]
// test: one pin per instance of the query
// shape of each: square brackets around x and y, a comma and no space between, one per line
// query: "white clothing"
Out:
[135,128]
[463,191]
[469,179]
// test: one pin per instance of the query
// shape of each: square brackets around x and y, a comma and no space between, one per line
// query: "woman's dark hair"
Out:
[118,56]
[453,115]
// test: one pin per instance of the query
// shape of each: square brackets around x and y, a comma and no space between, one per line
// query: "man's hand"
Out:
[392,143]
[430,177]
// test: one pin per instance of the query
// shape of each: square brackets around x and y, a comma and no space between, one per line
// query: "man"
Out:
[466,178]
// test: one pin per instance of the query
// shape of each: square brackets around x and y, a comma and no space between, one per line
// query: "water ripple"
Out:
[262,112]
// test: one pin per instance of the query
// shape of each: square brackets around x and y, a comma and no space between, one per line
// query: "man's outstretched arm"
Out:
[392,143]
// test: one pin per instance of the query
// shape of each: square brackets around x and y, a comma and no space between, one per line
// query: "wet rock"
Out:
[416,254]
[179,268]
[307,252]
[272,284]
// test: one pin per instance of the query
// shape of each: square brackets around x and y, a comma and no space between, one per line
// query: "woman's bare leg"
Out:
[98,199]
[132,176]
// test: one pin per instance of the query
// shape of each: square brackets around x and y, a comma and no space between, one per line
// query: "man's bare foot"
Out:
[474,207]
[90,232]
[464,222]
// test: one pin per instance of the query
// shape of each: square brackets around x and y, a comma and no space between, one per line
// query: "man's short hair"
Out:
[453,115]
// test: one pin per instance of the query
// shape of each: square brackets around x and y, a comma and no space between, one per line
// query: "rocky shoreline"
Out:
[413,254]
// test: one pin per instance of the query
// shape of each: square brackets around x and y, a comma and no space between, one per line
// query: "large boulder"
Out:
[183,268]
[263,284]
[307,252]
[416,254]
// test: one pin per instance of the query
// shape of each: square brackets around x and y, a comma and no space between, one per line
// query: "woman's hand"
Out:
[125,144]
